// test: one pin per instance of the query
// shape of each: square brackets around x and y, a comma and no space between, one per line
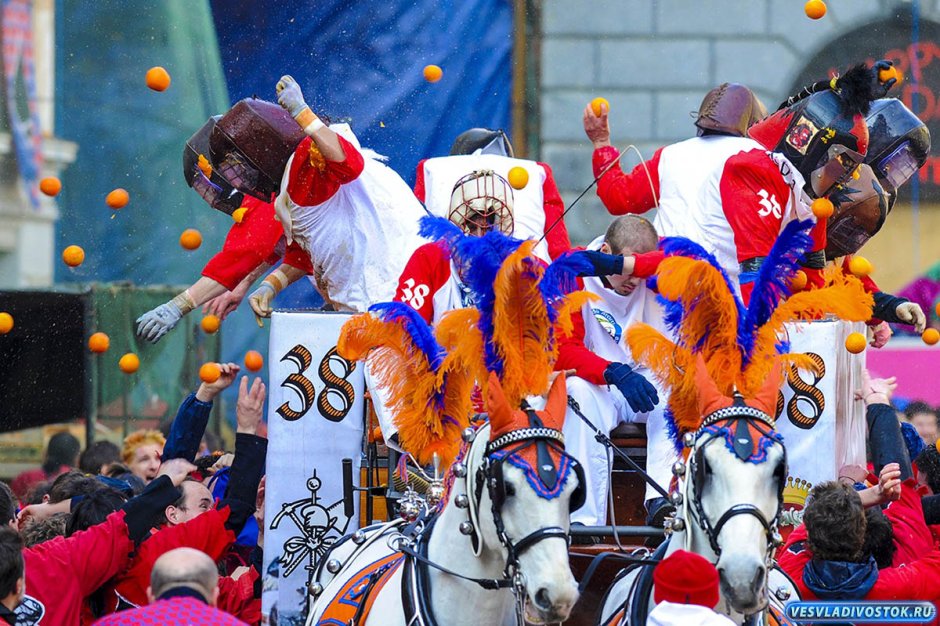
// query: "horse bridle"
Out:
[490,474]
[743,416]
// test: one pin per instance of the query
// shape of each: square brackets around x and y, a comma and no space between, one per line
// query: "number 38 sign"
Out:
[822,424]
[315,420]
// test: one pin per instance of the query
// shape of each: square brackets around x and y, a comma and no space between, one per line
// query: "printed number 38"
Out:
[337,396]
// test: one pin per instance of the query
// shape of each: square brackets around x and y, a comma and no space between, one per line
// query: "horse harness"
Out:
[416,588]
[741,419]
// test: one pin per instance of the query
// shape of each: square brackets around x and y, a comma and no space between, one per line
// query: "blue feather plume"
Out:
[440,229]
[560,279]
[773,279]
[414,325]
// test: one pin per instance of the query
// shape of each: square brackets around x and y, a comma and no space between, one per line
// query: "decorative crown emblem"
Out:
[796,491]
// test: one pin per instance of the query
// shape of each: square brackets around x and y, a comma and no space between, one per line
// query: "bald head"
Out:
[631,234]
[185,567]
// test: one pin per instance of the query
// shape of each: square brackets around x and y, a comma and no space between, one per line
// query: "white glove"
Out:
[290,96]
[261,299]
[911,313]
[152,325]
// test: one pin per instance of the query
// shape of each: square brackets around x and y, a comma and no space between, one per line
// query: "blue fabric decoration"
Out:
[772,283]
[532,474]
[759,455]
[414,325]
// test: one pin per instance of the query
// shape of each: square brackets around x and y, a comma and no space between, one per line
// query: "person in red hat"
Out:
[685,589]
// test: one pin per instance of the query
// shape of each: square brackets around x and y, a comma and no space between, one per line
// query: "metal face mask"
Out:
[225,200]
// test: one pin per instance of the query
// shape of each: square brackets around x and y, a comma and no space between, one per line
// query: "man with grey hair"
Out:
[184,589]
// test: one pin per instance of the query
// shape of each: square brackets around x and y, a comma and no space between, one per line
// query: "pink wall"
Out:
[915,364]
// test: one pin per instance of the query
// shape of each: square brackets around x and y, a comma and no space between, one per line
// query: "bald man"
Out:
[184,589]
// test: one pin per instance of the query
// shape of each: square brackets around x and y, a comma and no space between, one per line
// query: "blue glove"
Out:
[640,393]
[603,264]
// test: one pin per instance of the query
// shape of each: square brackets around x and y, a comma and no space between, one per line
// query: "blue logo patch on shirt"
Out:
[609,324]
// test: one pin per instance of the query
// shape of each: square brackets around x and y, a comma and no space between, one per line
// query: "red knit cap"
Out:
[686,578]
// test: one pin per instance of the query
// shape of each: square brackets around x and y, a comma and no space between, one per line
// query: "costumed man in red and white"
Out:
[354,217]
[608,387]
[538,208]
[254,243]
[480,202]
[739,195]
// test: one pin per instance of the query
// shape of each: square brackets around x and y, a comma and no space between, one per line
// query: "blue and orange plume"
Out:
[738,347]
[431,403]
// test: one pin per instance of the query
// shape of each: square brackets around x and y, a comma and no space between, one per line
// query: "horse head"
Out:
[733,492]
[524,487]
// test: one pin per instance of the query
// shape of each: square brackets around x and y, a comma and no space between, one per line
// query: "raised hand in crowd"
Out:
[250,408]
[176,470]
[876,390]
[208,391]
[889,482]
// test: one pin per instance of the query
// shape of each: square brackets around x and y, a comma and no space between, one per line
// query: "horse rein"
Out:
[764,424]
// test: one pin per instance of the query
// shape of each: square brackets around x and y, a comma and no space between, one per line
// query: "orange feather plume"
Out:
[429,417]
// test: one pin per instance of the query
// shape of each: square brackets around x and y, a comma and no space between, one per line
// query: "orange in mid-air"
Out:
[253,360]
[855,343]
[51,186]
[860,266]
[433,73]
[117,199]
[6,323]
[157,78]
[798,282]
[239,214]
[210,372]
[99,342]
[931,336]
[815,9]
[822,208]
[596,106]
[518,177]
[191,239]
[937,309]
[210,324]
[129,363]
[73,256]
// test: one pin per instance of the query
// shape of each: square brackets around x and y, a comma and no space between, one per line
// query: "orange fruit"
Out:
[51,186]
[157,78]
[931,336]
[887,74]
[822,208]
[860,266]
[937,309]
[73,256]
[798,282]
[210,372]
[596,106]
[253,360]
[210,324]
[239,214]
[191,239]
[815,9]
[518,177]
[6,323]
[98,343]
[855,343]
[129,363]
[117,199]
[433,73]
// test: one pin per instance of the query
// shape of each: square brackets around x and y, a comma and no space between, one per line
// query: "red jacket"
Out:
[250,243]
[919,580]
[62,572]
[912,537]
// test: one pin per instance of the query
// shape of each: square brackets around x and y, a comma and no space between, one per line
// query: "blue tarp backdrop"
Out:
[363,61]
[356,61]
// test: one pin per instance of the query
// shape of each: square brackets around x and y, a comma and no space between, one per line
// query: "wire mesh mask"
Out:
[480,202]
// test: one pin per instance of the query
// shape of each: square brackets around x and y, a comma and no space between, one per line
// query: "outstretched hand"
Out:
[911,313]
[250,408]
[208,391]
[889,482]
[876,390]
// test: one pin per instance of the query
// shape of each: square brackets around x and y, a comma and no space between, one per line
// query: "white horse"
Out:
[497,553]
[731,498]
